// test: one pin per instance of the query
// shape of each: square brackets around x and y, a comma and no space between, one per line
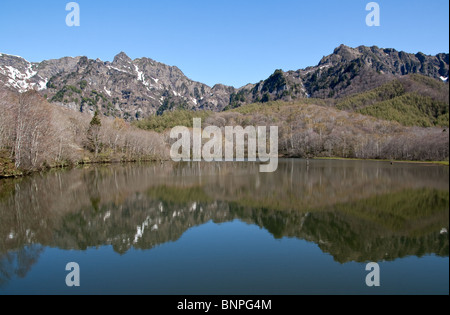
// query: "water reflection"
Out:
[355,211]
[18,263]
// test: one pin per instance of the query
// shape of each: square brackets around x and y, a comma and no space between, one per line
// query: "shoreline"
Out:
[441,163]
[14,173]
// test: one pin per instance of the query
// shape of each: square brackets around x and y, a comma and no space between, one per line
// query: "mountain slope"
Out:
[412,100]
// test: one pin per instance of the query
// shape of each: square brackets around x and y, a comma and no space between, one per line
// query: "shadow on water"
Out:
[355,211]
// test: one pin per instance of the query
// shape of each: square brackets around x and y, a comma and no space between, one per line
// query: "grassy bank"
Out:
[7,167]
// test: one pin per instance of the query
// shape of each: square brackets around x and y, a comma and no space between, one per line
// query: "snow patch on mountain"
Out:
[117,69]
[141,77]
[42,85]
[17,79]
[107,91]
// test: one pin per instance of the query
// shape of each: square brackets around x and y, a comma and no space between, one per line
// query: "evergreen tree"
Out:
[94,134]
[265,98]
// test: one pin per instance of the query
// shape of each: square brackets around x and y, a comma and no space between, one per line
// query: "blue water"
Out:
[229,258]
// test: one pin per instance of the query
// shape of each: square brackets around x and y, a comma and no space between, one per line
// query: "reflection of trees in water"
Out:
[18,263]
[354,211]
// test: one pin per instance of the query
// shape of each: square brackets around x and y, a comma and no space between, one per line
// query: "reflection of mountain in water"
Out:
[386,213]
[384,227]
[140,222]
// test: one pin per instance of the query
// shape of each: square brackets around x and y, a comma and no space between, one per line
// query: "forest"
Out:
[310,131]
[36,135]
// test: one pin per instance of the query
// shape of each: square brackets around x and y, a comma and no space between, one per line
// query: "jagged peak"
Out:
[347,53]
[122,57]
[221,86]
[342,48]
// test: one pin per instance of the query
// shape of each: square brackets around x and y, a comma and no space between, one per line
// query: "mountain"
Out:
[353,70]
[138,88]
[122,88]
[345,72]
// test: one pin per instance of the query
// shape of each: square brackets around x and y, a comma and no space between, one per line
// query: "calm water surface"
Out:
[207,228]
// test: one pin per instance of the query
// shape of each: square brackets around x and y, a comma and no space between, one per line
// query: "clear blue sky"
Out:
[233,42]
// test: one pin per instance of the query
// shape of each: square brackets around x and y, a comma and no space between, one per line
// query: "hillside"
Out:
[308,128]
[413,100]
[36,135]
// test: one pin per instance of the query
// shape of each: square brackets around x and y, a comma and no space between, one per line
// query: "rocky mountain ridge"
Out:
[133,89]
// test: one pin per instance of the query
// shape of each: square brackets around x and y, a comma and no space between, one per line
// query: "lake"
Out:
[225,228]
